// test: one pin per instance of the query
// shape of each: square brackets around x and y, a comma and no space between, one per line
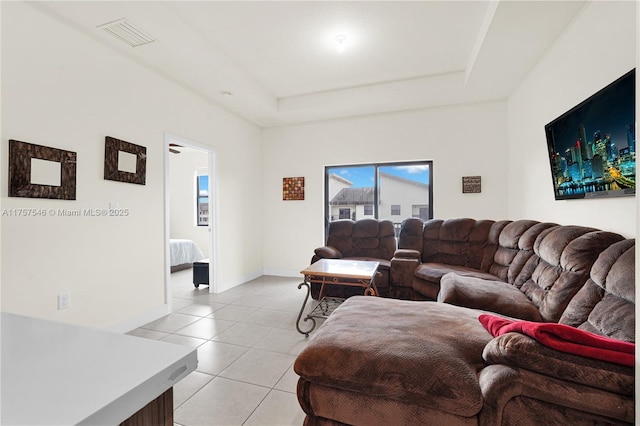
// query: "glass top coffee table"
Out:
[354,273]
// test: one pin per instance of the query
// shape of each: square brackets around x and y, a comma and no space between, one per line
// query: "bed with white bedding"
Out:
[183,253]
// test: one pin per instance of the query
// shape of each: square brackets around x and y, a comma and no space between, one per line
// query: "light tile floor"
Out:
[247,342]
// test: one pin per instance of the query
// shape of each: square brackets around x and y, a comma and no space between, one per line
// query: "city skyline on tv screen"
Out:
[592,148]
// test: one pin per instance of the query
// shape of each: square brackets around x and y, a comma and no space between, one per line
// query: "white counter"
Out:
[61,374]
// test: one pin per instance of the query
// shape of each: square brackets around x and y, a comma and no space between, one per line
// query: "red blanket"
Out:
[565,338]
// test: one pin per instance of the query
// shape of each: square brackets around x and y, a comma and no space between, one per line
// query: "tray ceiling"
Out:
[276,63]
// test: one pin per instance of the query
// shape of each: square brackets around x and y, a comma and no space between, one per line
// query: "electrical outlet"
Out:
[64,301]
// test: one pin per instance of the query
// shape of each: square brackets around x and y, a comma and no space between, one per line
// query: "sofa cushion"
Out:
[455,241]
[420,353]
[560,266]
[365,234]
[515,247]
[366,228]
[365,238]
[488,295]
[410,236]
[508,247]
[428,276]
[434,272]
[341,228]
[606,303]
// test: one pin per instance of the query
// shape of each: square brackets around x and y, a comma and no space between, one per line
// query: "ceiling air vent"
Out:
[125,31]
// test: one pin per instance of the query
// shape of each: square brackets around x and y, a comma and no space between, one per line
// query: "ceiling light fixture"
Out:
[341,40]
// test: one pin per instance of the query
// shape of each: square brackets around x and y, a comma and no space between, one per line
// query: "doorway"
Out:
[190,207]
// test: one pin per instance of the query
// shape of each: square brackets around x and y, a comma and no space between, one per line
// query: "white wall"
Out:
[597,49]
[465,140]
[63,89]
[182,172]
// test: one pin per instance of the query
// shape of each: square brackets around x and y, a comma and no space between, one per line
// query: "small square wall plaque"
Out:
[293,188]
[471,184]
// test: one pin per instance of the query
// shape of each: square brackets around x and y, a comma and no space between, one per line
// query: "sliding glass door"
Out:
[393,191]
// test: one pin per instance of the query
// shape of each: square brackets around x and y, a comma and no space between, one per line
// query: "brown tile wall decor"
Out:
[293,188]
[111,148]
[20,155]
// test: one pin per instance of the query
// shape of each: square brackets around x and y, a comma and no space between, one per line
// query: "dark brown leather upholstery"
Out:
[539,385]
[379,361]
[606,303]
[540,282]
[476,248]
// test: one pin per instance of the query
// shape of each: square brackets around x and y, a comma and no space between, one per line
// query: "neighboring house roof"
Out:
[353,196]
[350,196]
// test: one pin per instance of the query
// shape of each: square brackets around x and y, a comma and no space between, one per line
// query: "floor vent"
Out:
[125,31]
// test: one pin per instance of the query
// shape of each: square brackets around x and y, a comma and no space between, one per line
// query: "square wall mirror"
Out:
[124,161]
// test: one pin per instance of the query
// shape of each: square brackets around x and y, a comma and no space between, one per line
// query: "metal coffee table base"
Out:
[353,273]
[326,306]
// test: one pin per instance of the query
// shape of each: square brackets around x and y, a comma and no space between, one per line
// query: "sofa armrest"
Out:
[521,351]
[328,252]
[536,398]
[403,267]
[407,254]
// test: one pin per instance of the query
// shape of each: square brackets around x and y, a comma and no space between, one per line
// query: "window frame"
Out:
[199,202]
[376,189]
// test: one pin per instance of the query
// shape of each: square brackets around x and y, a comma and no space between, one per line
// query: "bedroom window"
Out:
[393,191]
[202,200]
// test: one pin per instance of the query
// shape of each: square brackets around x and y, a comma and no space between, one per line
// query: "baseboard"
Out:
[229,284]
[140,320]
[288,273]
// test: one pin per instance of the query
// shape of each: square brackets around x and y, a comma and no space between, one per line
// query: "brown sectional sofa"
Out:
[485,250]
[380,361]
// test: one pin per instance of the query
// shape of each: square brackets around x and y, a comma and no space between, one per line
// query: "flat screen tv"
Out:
[592,147]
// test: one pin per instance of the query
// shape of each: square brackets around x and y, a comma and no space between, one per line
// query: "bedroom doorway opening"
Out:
[190,208]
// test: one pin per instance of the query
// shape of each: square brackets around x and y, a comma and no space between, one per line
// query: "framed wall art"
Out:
[37,171]
[292,188]
[471,184]
[124,161]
